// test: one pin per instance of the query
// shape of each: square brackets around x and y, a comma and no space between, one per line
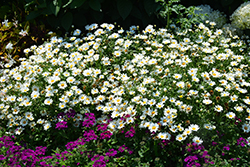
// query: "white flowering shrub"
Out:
[215,17]
[231,30]
[241,16]
[182,85]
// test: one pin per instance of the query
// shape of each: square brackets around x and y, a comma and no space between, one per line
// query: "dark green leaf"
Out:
[95,5]
[28,4]
[136,12]
[67,4]
[150,6]
[52,8]
[97,15]
[33,15]
[226,2]
[78,17]
[76,3]
[4,10]
[55,6]
[124,8]
[42,5]
[66,21]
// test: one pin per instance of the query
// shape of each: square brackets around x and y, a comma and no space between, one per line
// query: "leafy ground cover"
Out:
[112,97]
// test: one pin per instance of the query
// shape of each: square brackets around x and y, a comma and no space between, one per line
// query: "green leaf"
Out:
[55,7]
[66,21]
[33,15]
[150,6]
[67,4]
[97,15]
[28,4]
[124,8]
[78,17]
[226,2]
[95,5]
[136,12]
[42,5]
[76,3]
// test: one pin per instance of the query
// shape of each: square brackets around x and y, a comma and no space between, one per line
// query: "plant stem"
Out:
[168,17]
[155,148]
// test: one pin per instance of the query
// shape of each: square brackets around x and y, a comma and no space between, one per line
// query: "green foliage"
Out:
[64,13]
[182,13]
[225,6]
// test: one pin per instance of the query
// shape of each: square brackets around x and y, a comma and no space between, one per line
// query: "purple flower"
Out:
[2,157]
[88,136]
[242,142]
[40,150]
[121,148]
[130,133]
[95,157]
[105,135]
[226,148]
[190,158]
[89,120]
[61,125]
[71,113]
[99,163]
[102,127]
[111,153]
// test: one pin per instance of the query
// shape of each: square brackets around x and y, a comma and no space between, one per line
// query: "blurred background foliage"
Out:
[60,15]
[225,6]
[38,17]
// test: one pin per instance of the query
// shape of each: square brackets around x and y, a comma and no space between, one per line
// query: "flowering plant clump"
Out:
[215,17]
[241,16]
[164,88]
[231,30]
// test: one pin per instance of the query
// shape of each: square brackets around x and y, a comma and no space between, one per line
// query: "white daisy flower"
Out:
[35,94]
[179,137]
[24,122]
[207,101]
[62,105]
[48,101]
[70,79]
[230,115]
[197,140]
[247,101]
[194,127]
[153,127]
[47,125]
[62,84]
[218,108]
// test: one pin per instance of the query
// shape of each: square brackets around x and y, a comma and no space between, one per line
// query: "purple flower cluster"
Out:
[194,158]
[102,127]
[90,135]
[61,125]
[74,144]
[242,142]
[123,148]
[99,161]
[18,156]
[112,152]
[105,135]
[130,133]
[89,120]
[69,113]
